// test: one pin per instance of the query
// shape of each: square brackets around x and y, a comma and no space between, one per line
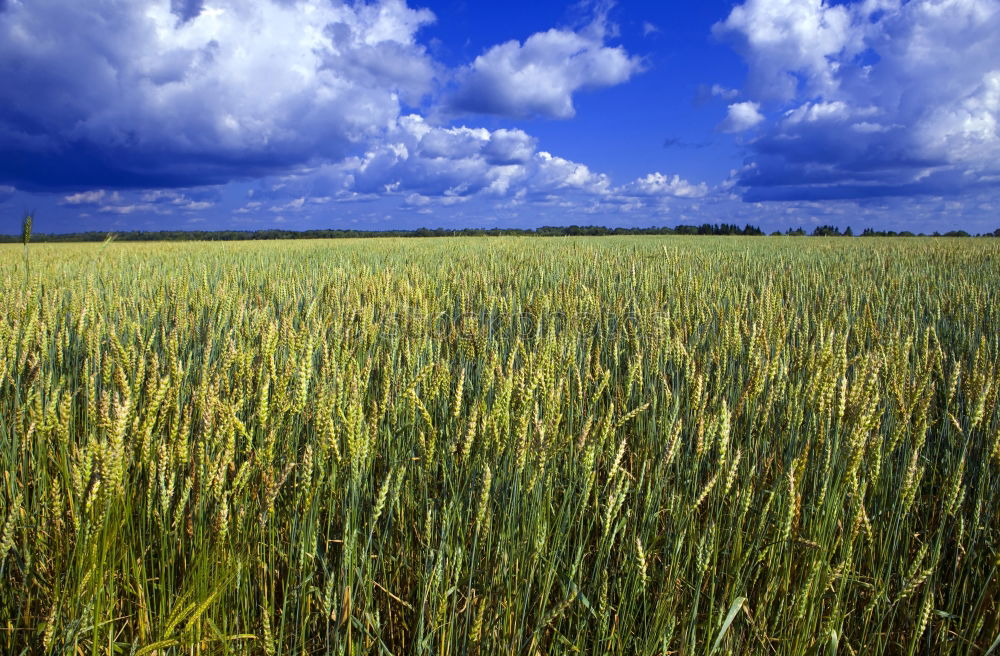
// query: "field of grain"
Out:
[501,446]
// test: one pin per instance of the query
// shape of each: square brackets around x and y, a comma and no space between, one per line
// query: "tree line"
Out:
[544,231]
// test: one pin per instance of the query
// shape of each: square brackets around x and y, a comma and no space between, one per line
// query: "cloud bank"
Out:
[869,98]
[178,93]
[126,108]
[429,164]
[141,94]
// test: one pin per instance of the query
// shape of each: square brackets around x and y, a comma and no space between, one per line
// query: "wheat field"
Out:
[639,445]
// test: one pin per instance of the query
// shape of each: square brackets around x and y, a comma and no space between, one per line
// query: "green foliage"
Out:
[628,445]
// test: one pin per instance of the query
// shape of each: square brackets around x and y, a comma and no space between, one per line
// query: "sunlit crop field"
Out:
[652,445]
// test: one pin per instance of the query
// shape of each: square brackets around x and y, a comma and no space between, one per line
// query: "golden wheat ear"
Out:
[26,221]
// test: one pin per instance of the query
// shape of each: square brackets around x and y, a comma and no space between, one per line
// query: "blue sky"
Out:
[219,114]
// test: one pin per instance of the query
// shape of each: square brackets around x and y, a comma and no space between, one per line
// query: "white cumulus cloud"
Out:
[658,184]
[539,76]
[416,159]
[742,116]
[875,97]
[85,197]
[782,38]
[129,94]
[429,160]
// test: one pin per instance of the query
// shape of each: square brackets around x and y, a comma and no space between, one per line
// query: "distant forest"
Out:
[546,231]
